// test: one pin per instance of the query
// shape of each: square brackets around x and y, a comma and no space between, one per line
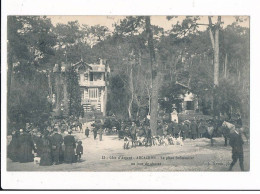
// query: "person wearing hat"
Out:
[46,151]
[148,135]
[133,133]
[185,130]
[95,130]
[236,142]
[193,128]
[100,132]
[202,128]
[79,150]
[26,146]
[87,132]
[12,149]
[70,144]
[56,141]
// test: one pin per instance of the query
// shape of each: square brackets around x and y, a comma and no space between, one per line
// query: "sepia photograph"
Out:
[128,93]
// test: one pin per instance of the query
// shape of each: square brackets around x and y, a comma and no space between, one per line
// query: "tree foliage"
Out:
[135,51]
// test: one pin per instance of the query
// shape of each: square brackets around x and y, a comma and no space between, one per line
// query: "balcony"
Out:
[90,101]
[92,83]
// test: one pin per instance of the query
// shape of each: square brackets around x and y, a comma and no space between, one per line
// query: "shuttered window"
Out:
[93,93]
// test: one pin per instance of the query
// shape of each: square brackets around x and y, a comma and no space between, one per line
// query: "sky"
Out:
[160,21]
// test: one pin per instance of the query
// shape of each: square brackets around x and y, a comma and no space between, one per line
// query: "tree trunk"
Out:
[154,105]
[215,45]
[211,33]
[225,67]
[132,93]
[155,78]
[66,105]
[216,53]
[49,83]
[58,95]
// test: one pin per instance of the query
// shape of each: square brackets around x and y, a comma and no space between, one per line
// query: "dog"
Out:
[155,141]
[36,160]
[179,141]
[164,141]
[141,141]
[171,140]
[126,143]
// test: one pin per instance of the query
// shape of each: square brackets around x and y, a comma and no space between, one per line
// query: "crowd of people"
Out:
[193,129]
[187,129]
[54,145]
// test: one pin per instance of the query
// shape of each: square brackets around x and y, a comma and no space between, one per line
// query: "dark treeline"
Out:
[145,60]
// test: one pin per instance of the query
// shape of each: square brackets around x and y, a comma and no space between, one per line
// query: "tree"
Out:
[155,77]
[30,49]
[75,107]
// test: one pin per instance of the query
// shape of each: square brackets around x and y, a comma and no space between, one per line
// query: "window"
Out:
[82,93]
[86,77]
[93,93]
[190,105]
[90,76]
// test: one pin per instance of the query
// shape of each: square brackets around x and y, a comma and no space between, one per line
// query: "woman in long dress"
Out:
[12,152]
[46,157]
[25,147]
[70,144]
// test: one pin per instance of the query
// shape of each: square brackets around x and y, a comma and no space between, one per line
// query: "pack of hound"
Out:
[154,141]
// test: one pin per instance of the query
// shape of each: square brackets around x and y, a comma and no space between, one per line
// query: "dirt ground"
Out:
[109,155]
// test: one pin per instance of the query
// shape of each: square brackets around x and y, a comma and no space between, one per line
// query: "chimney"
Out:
[101,62]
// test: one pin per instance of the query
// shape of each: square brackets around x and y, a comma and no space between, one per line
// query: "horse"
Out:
[226,127]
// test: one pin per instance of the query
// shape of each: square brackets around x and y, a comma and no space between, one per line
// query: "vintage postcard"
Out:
[128,93]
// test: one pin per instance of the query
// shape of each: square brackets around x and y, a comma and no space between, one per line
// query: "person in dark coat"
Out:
[193,128]
[46,155]
[226,133]
[185,130]
[177,130]
[87,132]
[12,152]
[202,129]
[133,134]
[174,128]
[148,135]
[100,132]
[79,150]
[56,141]
[170,129]
[70,144]
[38,142]
[95,130]
[239,121]
[26,147]
[236,142]
[80,127]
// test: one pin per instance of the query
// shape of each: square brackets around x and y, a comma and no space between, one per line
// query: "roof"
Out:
[97,67]
[93,67]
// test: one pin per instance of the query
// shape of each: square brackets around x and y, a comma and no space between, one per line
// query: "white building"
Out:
[93,86]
